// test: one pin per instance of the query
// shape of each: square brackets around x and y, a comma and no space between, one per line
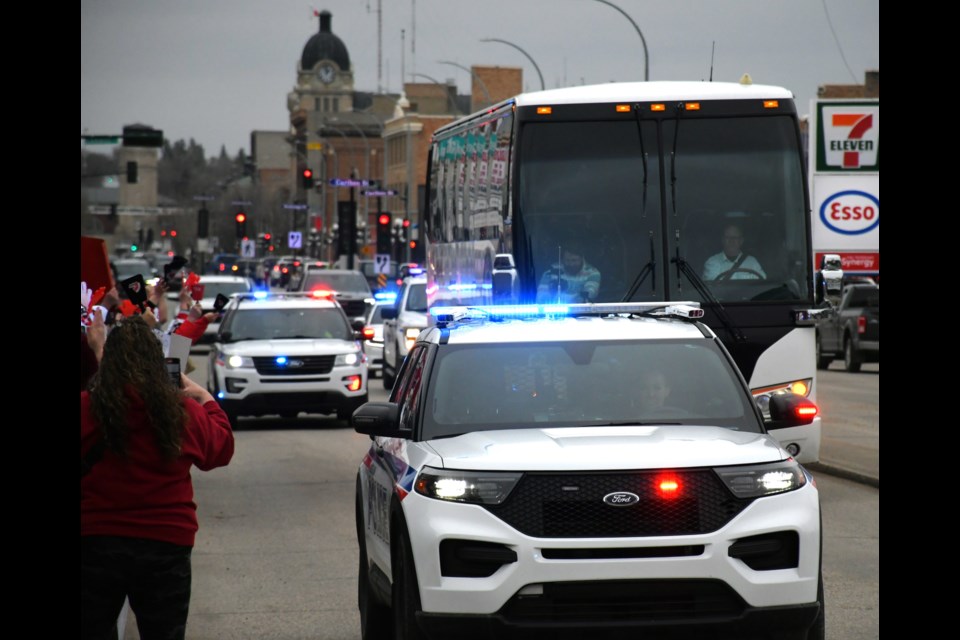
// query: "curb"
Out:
[840,472]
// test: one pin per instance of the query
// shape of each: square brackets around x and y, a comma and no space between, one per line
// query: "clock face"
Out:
[326,73]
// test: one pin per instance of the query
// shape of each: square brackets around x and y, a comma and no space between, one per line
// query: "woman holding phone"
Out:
[140,436]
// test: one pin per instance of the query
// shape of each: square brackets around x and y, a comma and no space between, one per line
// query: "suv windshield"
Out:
[477,387]
[279,324]
[417,299]
[354,282]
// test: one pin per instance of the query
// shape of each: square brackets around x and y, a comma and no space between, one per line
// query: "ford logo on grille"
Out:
[621,499]
[294,363]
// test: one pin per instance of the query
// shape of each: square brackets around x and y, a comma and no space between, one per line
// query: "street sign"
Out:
[295,206]
[248,248]
[380,192]
[314,146]
[349,182]
[295,240]
[381,263]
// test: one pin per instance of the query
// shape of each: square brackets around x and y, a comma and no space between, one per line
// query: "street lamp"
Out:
[473,75]
[446,90]
[646,54]
[542,85]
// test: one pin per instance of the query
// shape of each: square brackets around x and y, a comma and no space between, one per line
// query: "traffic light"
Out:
[307,179]
[384,243]
[241,219]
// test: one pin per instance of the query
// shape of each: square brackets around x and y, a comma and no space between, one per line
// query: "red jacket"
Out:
[146,495]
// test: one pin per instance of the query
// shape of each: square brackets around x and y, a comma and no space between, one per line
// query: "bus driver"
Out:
[732,263]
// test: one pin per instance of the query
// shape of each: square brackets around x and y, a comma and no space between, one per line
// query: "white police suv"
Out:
[585,471]
[286,353]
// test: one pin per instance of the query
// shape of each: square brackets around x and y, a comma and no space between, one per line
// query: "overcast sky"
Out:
[215,70]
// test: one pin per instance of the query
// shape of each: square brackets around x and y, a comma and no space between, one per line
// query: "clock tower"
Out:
[324,91]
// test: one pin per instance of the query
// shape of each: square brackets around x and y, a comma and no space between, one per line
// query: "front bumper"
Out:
[618,582]
[246,392]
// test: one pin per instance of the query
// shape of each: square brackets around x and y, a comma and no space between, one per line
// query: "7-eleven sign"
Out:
[848,136]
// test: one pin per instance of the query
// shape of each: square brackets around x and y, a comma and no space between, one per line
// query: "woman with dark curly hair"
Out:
[138,518]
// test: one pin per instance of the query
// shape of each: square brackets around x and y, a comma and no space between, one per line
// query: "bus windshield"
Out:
[715,199]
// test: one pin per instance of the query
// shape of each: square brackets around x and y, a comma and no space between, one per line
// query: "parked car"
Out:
[851,330]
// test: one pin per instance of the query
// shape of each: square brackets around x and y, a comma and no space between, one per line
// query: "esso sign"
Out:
[851,212]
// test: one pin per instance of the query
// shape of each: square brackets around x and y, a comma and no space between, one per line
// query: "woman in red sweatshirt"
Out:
[140,435]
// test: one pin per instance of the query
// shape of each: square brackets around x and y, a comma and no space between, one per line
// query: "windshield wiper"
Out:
[648,269]
[684,267]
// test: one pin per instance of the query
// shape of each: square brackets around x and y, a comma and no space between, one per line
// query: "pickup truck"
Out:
[852,330]
[402,324]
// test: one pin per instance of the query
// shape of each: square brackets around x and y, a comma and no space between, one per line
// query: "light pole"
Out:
[646,54]
[446,90]
[473,75]
[542,85]
[333,122]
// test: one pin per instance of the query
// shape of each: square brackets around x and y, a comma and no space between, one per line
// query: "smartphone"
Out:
[220,302]
[173,370]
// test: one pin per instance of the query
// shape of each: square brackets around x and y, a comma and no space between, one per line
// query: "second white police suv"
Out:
[589,470]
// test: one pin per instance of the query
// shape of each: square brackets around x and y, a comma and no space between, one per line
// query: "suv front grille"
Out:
[571,505]
[295,365]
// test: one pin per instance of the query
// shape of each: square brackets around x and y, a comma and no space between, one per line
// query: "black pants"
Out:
[154,575]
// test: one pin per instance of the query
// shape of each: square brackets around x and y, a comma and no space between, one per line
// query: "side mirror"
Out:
[377,419]
[790,410]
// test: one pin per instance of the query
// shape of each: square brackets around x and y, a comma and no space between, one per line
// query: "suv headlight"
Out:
[237,362]
[348,360]
[754,481]
[477,487]
[410,335]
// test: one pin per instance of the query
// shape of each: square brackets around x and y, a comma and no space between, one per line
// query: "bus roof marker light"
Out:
[623,108]
[658,107]
[544,111]
[771,104]
[691,106]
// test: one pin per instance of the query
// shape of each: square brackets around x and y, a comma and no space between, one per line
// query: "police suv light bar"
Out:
[678,309]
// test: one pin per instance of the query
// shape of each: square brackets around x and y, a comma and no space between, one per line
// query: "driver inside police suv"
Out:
[733,263]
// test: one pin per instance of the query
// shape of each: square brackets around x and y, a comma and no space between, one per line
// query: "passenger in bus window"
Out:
[733,263]
[571,280]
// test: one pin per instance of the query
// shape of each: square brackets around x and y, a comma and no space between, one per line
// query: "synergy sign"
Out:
[848,136]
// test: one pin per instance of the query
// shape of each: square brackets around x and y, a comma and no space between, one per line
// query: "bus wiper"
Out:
[684,267]
[648,269]
[643,158]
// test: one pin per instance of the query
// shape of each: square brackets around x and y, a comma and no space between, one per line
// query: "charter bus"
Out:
[647,181]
